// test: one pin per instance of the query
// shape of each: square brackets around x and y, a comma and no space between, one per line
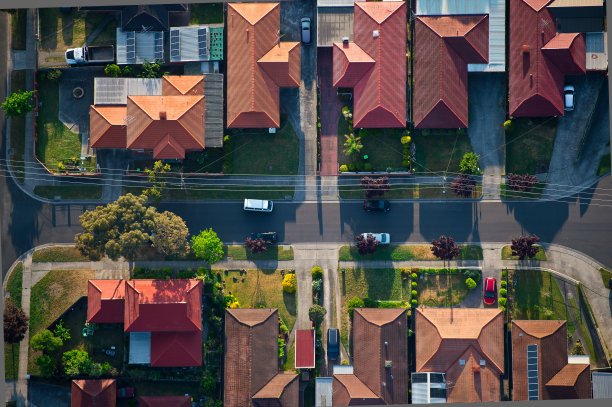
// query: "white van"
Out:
[258,205]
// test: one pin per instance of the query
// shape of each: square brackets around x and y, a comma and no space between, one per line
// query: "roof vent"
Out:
[386,344]
[345,40]
[375,33]
[520,334]
[482,362]
[461,362]
[388,364]
[162,115]
[526,49]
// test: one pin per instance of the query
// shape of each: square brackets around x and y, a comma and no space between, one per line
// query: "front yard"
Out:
[440,150]
[273,252]
[69,192]
[529,145]
[406,252]
[68,253]
[441,287]
[507,254]
[535,193]
[60,31]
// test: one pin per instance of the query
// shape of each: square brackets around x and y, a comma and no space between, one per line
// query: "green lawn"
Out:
[206,13]
[606,275]
[263,287]
[289,365]
[535,193]
[220,192]
[107,36]
[604,165]
[273,253]
[14,284]
[210,160]
[18,29]
[440,150]
[11,361]
[411,191]
[18,83]
[266,154]
[69,192]
[407,252]
[434,289]
[58,254]
[507,254]
[529,145]
[537,296]
[59,31]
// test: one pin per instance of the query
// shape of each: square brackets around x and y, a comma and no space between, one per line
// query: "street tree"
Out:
[170,234]
[469,163]
[157,178]
[316,313]
[518,182]
[444,248]
[375,186]
[47,342]
[15,326]
[207,246]
[463,185]
[352,144]
[256,245]
[366,245]
[18,103]
[524,246]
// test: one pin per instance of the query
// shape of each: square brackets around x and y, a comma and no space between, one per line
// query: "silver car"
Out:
[382,238]
[306,30]
[568,96]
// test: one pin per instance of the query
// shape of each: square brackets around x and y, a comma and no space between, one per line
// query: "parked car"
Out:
[269,237]
[125,393]
[383,238]
[568,93]
[306,30]
[333,344]
[258,205]
[490,290]
[378,205]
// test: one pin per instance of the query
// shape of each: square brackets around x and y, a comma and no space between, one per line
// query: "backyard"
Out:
[206,13]
[529,145]
[406,252]
[18,83]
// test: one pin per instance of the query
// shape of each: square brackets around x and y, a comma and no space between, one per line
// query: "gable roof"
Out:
[107,126]
[176,348]
[444,336]
[164,401]
[282,64]
[568,52]
[379,91]
[281,390]
[571,382]
[93,393]
[444,45]
[348,390]
[163,305]
[177,85]
[105,301]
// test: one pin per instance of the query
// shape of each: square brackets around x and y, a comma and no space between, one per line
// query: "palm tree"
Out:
[352,144]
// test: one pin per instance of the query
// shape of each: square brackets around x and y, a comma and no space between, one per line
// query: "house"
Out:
[258,65]
[163,317]
[164,117]
[93,393]
[374,64]
[379,375]
[541,368]
[252,377]
[539,59]
[164,401]
[466,346]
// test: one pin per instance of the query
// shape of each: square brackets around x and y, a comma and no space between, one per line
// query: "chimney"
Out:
[345,42]
[526,49]
[162,115]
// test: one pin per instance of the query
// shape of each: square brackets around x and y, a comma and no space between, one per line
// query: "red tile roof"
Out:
[176,348]
[175,85]
[163,306]
[539,59]
[105,301]
[164,401]
[571,382]
[379,88]
[304,349]
[349,390]
[107,126]
[444,45]
[252,94]
[282,390]
[444,336]
[94,393]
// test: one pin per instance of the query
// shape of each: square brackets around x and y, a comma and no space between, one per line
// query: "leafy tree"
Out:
[352,144]
[523,246]
[46,342]
[256,245]
[366,245]
[354,303]
[54,74]
[469,163]
[375,186]
[15,325]
[112,70]
[316,313]
[471,284]
[47,365]
[151,70]
[578,348]
[61,332]
[18,103]
[207,246]
[170,234]
[444,248]
[208,385]
[157,179]
[463,185]
[290,283]
[76,362]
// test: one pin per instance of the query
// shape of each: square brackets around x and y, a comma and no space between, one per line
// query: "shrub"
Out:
[46,342]
[354,303]
[46,364]
[503,284]
[502,301]
[363,133]
[344,363]
[61,332]
[414,276]
[351,167]
[317,286]
[281,348]
[343,168]
[359,166]
[503,292]
[414,293]
[414,284]
[283,328]
[112,70]
[208,385]
[413,303]
[316,273]
[473,274]
[504,274]
[578,349]
[316,313]
[406,139]
[503,309]
[54,74]
[405,272]
[76,362]
[367,167]
[471,284]
[508,126]
[469,163]
[369,303]
[289,283]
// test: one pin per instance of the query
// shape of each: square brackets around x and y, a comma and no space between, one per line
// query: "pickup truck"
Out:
[91,55]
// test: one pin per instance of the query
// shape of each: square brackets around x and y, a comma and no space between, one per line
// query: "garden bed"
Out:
[406,252]
[529,145]
[62,253]
[507,254]
[69,192]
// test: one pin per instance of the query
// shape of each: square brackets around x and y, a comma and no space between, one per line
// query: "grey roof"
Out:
[334,3]
[213,101]
[333,24]
[114,91]
[323,392]
[139,47]
[188,44]
[343,369]
[428,388]
[602,385]
[140,348]
[597,51]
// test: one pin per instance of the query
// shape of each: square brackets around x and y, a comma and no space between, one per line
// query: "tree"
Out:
[112,70]
[444,248]
[316,273]
[471,284]
[316,313]
[170,234]
[366,245]
[354,303]
[61,332]
[47,365]
[157,179]
[518,182]
[256,245]
[151,70]
[523,246]
[289,283]
[207,246]
[469,163]
[352,144]
[375,186]
[46,342]
[18,103]
[463,185]
[15,325]
[76,362]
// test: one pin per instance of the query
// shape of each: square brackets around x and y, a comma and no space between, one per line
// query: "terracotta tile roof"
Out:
[444,45]
[94,393]
[537,5]
[568,52]
[304,349]
[164,401]
[281,389]
[538,329]
[168,148]
[252,94]
[105,301]
[445,336]
[176,348]
[351,64]
[349,390]
[175,85]
[107,126]
[163,306]
[571,382]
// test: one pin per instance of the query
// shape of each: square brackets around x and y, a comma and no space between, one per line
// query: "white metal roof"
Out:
[343,369]
[334,3]
[578,359]
[323,392]
[140,348]
[114,91]
[602,385]
[422,385]
[139,47]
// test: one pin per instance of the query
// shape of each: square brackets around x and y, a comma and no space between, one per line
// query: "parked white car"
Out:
[568,96]
[383,238]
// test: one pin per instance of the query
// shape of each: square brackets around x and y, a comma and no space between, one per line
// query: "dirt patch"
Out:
[55,290]
[438,290]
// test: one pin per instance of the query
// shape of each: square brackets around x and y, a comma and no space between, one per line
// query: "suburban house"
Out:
[164,401]
[252,377]
[541,367]
[466,347]
[374,64]
[93,393]
[379,375]
[165,117]
[258,65]
[540,58]
[163,318]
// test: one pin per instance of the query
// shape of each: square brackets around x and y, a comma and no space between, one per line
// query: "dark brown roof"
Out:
[349,390]
[571,382]
[282,390]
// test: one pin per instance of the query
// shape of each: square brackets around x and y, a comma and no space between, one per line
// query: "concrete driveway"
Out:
[75,112]
[48,395]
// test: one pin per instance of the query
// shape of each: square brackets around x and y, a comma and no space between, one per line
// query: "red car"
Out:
[490,290]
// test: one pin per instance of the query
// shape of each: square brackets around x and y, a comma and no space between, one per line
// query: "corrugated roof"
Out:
[213,116]
[602,385]
[304,349]
[323,391]
[334,24]
[105,301]
[334,3]
[107,126]
[140,348]
[597,51]
[139,47]
[164,401]
[114,91]
[195,43]
[93,393]
[171,349]
[577,3]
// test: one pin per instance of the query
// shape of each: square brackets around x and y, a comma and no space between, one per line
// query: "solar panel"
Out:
[159,46]
[202,42]
[532,372]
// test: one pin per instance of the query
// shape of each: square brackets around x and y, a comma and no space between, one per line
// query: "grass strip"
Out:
[69,192]
[58,254]
[406,252]
[289,365]
[220,192]
[535,193]
[18,83]
[18,29]
[507,254]
[409,191]
[272,253]
[11,360]
[14,284]
[606,275]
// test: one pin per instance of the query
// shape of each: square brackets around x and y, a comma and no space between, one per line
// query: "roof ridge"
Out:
[359,4]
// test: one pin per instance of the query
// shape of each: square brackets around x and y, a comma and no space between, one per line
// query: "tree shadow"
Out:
[454,219]
[48,22]
[290,301]
[68,21]
[545,221]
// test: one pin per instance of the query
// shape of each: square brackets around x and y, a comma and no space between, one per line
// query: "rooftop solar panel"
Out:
[532,372]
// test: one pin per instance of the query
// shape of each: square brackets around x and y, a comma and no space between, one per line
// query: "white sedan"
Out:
[383,238]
